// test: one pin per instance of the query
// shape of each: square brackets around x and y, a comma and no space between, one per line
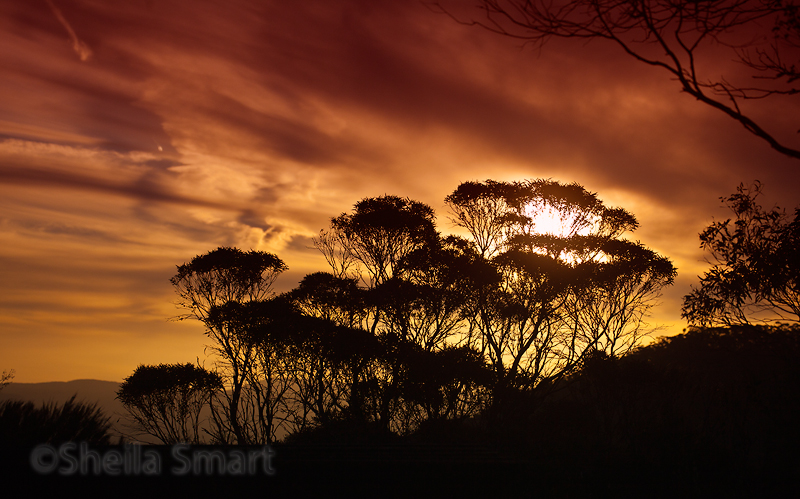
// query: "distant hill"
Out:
[92,391]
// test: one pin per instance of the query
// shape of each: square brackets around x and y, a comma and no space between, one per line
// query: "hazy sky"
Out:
[135,135]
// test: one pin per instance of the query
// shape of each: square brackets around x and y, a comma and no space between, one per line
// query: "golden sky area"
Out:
[135,135]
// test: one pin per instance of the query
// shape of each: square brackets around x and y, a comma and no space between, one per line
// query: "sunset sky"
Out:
[135,135]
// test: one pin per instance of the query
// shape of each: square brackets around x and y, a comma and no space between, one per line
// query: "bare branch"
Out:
[764,35]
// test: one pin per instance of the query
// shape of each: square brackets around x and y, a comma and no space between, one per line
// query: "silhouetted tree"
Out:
[449,384]
[331,297]
[611,315]
[756,265]
[425,300]
[336,368]
[489,211]
[296,379]
[378,233]
[166,401]
[762,35]
[266,370]
[555,295]
[212,280]
[224,275]
[371,245]
[334,356]
[344,373]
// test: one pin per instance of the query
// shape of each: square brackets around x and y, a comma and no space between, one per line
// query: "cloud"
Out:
[46,167]
[80,48]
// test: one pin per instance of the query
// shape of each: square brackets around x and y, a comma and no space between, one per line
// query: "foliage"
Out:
[756,271]
[381,231]
[166,401]
[22,424]
[557,294]
[223,275]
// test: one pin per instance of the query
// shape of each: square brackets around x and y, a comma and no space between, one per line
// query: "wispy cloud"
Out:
[80,48]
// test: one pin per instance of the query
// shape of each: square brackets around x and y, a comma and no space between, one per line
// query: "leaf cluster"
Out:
[755,273]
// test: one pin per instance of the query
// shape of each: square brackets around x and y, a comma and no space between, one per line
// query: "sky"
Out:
[135,135]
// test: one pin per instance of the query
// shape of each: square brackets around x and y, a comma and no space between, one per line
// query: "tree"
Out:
[553,280]
[336,354]
[299,376]
[224,275]
[755,275]
[449,384]
[426,299]
[215,279]
[487,210]
[763,35]
[410,293]
[610,317]
[321,373]
[327,296]
[166,401]
[378,233]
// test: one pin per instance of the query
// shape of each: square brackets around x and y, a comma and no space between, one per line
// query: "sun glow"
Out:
[549,220]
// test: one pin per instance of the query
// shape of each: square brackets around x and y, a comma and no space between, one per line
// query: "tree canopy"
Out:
[556,296]
[166,401]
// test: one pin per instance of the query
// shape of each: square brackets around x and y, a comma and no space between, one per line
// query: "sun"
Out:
[566,224]
[549,220]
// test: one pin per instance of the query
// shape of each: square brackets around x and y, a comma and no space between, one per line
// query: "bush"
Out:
[22,424]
